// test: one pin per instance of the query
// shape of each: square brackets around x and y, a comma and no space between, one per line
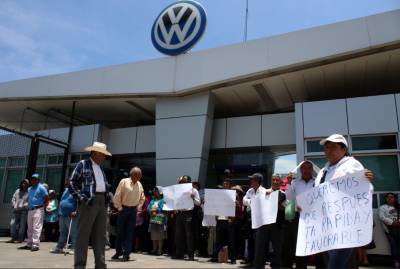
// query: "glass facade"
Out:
[238,164]
[14,177]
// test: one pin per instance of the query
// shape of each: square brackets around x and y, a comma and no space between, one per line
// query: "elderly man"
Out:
[255,189]
[183,225]
[128,197]
[88,184]
[37,200]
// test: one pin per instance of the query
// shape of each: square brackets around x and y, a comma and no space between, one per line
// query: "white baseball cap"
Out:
[335,138]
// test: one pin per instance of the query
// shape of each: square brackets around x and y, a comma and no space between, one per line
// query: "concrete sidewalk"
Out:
[11,257]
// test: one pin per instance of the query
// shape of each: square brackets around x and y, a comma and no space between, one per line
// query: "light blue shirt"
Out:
[36,195]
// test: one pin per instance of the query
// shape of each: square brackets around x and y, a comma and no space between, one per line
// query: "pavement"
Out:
[11,257]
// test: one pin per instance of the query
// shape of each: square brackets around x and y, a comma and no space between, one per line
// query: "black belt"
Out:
[131,207]
[35,207]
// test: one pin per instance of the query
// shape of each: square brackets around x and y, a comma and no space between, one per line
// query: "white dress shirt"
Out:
[297,187]
[346,165]
[99,177]
[251,194]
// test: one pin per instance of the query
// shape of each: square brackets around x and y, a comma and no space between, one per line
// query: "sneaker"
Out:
[125,258]
[56,251]
[26,247]
[34,249]
[10,241]
[71,252]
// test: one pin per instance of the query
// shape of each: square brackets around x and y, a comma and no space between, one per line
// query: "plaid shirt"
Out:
[83,182]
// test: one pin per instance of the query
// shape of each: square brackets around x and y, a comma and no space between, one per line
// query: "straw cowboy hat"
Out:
[99,147]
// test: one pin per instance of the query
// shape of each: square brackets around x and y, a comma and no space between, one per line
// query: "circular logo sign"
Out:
[179,27]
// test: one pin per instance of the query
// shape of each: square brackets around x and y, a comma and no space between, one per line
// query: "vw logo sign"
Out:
[179,27]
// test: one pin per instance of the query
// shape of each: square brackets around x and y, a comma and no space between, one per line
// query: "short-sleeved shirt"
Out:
[36,195]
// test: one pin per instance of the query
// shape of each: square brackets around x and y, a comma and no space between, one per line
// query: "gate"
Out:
[23,154]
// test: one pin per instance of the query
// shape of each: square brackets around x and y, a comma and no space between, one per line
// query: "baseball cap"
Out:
[335,138]
[258,176]
[36,176]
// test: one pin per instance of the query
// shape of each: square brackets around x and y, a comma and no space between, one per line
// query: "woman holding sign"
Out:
[339,164]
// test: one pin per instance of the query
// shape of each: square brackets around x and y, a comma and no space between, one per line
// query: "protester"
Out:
[239,222]
[141,239]
[158,221]
[67,222]
[272,232]
[128,197]
[225,232]
[256,189]
[183,225]
[37,199]
[88,184]
[51,218]
[389,214]
[199,232]
[19,203]
[339,164]
[294,188]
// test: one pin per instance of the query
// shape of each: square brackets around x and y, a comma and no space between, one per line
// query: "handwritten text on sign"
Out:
[335,214]
[220,202]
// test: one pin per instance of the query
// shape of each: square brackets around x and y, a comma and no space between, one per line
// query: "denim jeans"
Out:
[18,225]
[126,223]
[64,227]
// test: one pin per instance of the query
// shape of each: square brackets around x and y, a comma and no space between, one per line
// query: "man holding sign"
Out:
[223,201]
[336,215]
[183,224]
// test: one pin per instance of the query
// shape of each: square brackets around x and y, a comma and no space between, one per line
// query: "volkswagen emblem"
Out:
[178,27]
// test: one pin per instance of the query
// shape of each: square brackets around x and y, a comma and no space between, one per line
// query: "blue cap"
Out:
[36,176]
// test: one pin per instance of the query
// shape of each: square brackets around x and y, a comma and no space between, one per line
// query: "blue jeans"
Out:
[63,228]
[18,225]
[126,223]
[339,258]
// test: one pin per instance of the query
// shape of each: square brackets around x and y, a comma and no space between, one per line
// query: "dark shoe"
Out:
[10,241]
[115,257]
[34,248]
[125,258]
[233,262]
[177,257]
[26,247]
[191,258]
[213,260]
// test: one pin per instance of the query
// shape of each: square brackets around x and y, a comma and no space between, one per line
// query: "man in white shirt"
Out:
[88,186]
[255,189]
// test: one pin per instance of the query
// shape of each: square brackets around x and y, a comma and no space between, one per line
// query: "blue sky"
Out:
[44,37]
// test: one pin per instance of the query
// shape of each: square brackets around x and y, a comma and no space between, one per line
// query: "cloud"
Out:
[35,44]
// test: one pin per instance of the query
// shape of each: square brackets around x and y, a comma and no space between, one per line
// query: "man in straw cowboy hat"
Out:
[88,184]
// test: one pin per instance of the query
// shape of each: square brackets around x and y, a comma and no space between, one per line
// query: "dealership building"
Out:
[235,107]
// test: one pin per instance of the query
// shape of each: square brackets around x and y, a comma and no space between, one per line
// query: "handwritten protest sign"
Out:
[335,214]
[177,197]
[219,202]
[264,209]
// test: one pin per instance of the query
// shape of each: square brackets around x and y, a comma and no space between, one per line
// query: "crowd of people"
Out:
[130,221]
